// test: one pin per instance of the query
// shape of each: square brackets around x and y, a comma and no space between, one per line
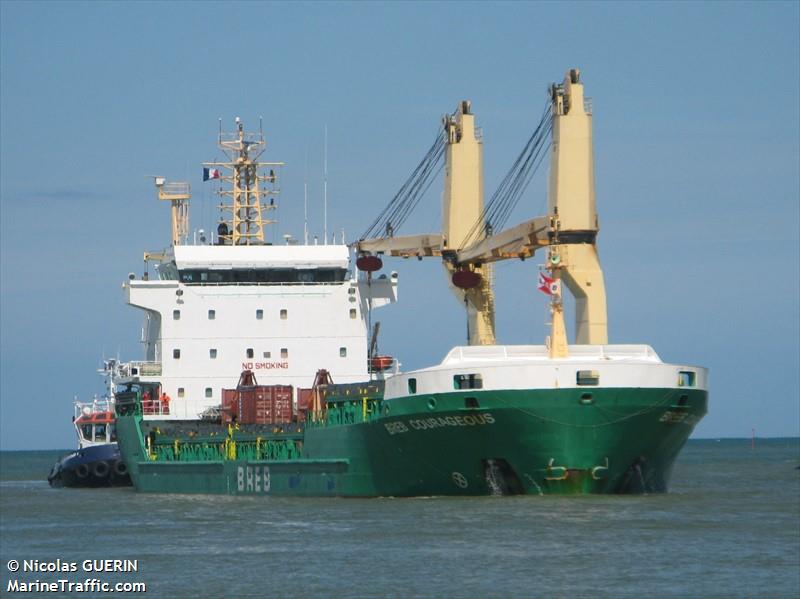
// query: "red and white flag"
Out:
[549,285]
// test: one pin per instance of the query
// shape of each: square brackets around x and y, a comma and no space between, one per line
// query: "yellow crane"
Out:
[569,230]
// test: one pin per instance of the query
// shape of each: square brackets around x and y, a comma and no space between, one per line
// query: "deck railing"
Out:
[128,369]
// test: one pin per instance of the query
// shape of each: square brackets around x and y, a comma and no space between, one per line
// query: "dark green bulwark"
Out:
[473,442]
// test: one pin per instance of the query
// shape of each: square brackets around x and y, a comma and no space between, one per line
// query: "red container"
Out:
[230,405]
[264,404]
[304,399]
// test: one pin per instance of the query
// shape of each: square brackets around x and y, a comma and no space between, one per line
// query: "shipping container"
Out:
[262,404]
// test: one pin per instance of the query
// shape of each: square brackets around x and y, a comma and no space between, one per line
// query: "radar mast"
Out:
[252,194]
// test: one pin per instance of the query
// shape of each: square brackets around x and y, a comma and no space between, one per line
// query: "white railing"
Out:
[128,369]
[96,406]
[155,407]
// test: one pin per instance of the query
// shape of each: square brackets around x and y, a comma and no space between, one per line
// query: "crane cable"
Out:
[495,214]
[408,196]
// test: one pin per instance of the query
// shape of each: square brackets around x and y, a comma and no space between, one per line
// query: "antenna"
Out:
[325,194]
[305,200]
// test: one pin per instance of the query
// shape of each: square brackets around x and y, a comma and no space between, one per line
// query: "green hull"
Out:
[527,442]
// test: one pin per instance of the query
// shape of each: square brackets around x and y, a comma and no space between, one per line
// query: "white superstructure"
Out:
[214,310]
[282,311]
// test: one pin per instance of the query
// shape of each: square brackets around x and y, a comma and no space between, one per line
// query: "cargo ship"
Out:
[330,416]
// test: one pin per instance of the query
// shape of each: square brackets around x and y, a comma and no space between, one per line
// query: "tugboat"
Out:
[97,462]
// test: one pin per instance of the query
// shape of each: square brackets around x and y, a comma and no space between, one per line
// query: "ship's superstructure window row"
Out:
[263,275]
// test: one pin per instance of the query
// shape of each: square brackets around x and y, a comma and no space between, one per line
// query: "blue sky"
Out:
[696,155]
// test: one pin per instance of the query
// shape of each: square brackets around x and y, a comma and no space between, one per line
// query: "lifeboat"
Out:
[380,363]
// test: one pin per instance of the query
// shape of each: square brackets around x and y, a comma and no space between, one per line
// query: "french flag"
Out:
[211,173]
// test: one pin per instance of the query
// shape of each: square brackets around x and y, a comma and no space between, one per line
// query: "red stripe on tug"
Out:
[96,418]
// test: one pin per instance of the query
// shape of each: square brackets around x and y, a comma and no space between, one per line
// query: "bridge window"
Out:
[467,381]
[263,275]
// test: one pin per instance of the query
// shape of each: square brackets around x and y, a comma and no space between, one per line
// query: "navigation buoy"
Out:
[466,279]
[369,263]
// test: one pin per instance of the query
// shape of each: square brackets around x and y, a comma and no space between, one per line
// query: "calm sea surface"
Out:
[730,527]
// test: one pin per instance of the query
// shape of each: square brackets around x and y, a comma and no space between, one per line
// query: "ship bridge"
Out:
[267,264]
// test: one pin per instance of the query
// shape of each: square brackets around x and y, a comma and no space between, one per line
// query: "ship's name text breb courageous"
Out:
[419,424]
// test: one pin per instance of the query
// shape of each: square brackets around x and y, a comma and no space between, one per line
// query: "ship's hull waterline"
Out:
[612,440]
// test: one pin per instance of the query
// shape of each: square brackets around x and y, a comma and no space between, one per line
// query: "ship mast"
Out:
[248,190]
[462,206]
[178,193]
[572,209]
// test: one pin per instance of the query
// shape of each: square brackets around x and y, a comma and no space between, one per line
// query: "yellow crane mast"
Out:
[569,230]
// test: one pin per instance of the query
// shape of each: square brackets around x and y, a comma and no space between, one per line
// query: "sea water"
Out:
[729,527]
